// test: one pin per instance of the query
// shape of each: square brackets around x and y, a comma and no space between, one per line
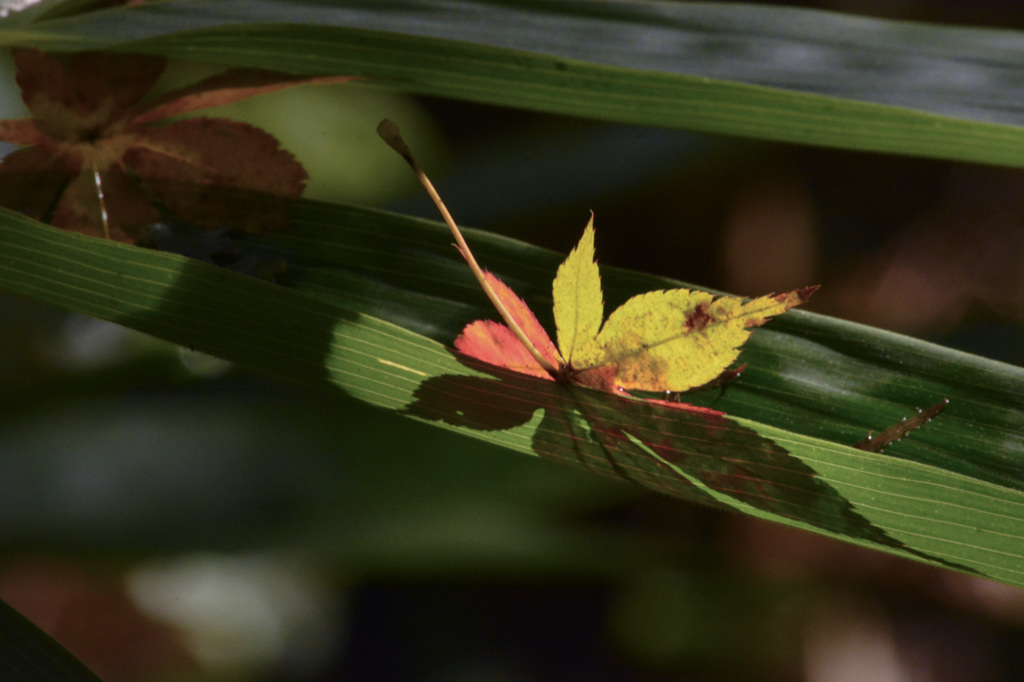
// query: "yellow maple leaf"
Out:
[669,340]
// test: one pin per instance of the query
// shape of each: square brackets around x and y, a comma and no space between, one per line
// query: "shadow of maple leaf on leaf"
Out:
[696,454]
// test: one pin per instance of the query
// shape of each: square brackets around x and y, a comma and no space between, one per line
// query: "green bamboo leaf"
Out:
[819,376]
[320,334]
[696,66]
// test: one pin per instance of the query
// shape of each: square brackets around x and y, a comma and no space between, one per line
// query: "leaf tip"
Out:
[807,292]
[797,296]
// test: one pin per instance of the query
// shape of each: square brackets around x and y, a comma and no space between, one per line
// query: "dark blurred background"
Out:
[169,517]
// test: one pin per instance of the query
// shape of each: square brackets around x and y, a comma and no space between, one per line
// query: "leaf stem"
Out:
[390,133]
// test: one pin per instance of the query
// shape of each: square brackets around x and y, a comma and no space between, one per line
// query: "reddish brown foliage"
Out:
[98,159]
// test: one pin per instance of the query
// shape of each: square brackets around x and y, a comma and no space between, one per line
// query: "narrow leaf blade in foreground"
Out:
[931,510]
[27,654]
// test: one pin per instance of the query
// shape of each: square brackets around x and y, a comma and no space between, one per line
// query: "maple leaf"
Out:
[663,341]
[667,341]
[97,158]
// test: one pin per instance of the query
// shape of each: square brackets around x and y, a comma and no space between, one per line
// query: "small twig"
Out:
[878,442]
[389,133]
